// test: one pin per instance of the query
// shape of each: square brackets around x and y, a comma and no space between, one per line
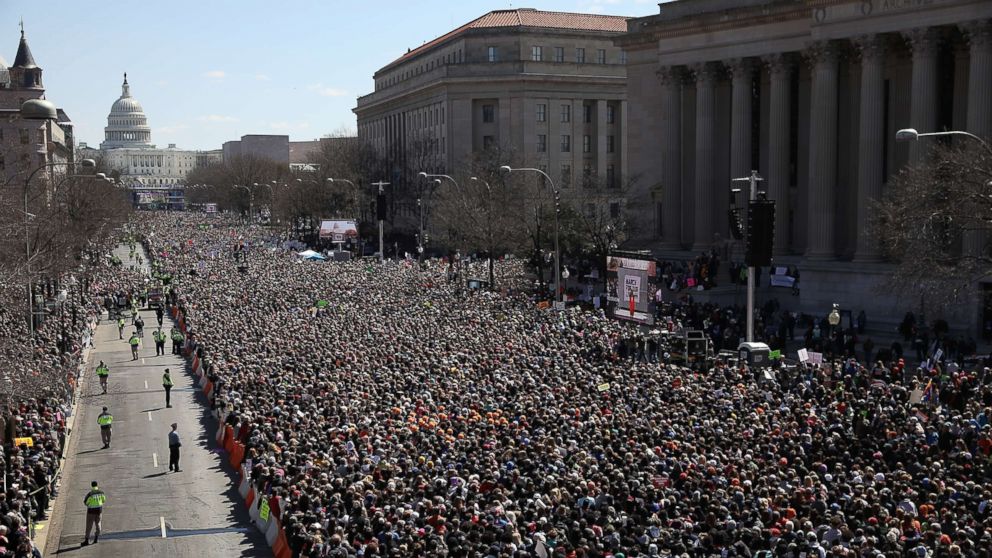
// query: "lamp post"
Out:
[833,318]
[554,189]
[752,195]
[381,214]
[910,134]
[437,180]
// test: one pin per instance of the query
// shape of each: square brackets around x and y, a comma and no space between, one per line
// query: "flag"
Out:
[774,354]
[929,392]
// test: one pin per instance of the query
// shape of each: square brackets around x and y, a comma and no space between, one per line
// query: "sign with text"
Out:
[631,281]
[338,231]
[25,441]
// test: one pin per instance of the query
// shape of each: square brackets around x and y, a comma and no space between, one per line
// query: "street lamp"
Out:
[833,319]
[507,168]
[910,134]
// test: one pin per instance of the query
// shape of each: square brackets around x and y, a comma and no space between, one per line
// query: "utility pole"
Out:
[380,210]
[751,196]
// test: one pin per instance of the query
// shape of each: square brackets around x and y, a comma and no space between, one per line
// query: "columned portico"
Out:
[742,80]
[780,67]
[979,35]
[671,79]
[821,210]
[924,43]
[871,120]
[706,75]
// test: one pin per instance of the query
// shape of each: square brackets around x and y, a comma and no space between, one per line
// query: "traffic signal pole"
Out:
[751,196]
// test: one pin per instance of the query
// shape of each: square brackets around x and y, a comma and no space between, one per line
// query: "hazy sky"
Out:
[208,71]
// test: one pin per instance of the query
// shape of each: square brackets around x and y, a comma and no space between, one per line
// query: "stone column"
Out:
[979,119]
[742,81]
[870,142]
[706,76]
[925,44]
[671,78]
[780,108]
[822,151]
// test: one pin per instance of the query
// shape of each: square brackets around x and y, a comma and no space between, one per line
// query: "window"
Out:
[566,143]
[493,54]
[601,56]
[623,56]
[559,54]
[536,53]
[542,143]
[580,55]
[610,144]
[566,113]
[488,142]
[25,137]
[566,175]
[611,176]
[611,114]
[614,210]
[488,113]
[587,113]
[587,143]
[542,112]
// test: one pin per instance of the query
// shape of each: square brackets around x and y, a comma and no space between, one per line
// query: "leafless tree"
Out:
[934,223]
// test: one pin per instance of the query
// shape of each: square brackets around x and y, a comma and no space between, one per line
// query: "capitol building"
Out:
[127,148]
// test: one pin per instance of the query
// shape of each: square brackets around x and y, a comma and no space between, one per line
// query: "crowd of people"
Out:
[39,378]
[388,412]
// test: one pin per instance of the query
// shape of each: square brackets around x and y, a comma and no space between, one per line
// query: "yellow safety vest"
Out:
[105,419]
[102,371]
[95,499]
[134,341]
[166,380]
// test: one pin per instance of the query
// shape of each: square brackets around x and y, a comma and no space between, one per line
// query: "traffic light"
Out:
[380,207]
[736,226]
[760,232]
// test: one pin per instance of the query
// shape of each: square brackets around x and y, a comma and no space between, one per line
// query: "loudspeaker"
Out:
[380,207]
[760,232]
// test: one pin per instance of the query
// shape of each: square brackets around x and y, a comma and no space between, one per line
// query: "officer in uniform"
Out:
[167,384]
[94,501]
[102,371]
[177,341]
[140,324]
[134,341]
[174,444]
[120,327]
[159,337]
[105,420]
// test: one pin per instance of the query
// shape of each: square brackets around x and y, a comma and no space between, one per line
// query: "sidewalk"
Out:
[149,511]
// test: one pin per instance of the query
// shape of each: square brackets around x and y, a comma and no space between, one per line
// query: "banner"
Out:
[27,441]
[631,281]
[338,231]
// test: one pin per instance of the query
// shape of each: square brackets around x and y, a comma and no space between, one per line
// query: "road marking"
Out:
[142,361]
[149,416]
[162,522]
[155,460]
[146,384]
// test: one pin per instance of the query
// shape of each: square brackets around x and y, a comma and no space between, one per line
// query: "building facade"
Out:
[267,146]
[26,145]
[547,89]
[128,148]
[810,93]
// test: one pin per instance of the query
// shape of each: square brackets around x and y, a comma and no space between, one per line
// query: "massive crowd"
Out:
[390,412]
[38,384]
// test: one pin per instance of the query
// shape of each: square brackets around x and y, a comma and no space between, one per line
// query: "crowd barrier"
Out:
[259,505]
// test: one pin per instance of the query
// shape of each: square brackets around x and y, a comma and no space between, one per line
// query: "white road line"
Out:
[146,384]
[149,416]
[155,460]
[142,361]
[162,523]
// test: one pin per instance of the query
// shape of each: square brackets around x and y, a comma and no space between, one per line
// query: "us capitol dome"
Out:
[127,125]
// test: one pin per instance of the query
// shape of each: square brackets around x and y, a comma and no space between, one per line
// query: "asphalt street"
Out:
[149,511]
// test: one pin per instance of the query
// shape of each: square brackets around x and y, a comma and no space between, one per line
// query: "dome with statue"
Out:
[127,125]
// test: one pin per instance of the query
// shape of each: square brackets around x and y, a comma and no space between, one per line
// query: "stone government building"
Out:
[810,93]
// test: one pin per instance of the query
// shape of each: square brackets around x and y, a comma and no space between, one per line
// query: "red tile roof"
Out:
[528,17]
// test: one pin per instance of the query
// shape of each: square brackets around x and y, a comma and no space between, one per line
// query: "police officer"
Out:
[140,324]
[102,371]
[177,341]
[106,421]
[94,501]
[159,337]
[159,314]
[120,326]
[134,341]
[174,444]
[167,384]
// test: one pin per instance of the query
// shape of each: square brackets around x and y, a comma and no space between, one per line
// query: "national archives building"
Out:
[810,93]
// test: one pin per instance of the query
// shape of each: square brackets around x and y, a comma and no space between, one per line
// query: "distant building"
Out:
[26,145]
[268,146]
[549,86]
[127,148]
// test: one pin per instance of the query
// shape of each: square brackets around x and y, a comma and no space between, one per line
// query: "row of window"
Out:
[566,143]
[541,113]
[557,54]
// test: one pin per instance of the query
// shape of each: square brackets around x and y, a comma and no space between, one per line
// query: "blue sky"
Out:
[209,71]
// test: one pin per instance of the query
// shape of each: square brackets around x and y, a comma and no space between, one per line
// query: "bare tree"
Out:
[934,223]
